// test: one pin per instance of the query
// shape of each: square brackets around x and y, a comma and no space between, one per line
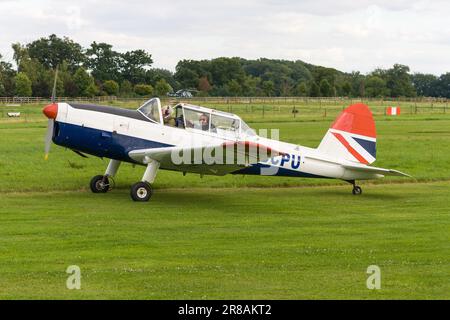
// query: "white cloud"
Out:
[347,35]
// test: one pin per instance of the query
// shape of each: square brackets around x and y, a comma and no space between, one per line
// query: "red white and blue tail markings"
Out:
[352,136]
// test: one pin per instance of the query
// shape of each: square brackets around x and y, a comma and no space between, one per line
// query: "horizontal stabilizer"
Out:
[386,172]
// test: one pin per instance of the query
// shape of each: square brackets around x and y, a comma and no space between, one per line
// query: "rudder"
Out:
[352,136]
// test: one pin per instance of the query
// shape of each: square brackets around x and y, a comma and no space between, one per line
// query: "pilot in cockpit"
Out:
[204,122]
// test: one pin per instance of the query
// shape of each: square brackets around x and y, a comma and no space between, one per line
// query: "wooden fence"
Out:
[232,100]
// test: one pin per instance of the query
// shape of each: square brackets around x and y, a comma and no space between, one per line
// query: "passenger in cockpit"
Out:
[168,116]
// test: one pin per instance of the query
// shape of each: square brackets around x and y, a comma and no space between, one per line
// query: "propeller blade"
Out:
[51,122]
[54,85]
[48,137]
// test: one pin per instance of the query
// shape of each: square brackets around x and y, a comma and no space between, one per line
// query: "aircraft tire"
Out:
[99,184]
[141,191]
[357,190]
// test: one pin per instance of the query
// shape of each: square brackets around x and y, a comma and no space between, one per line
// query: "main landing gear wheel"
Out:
[100,184]
[141,191]
[357,190]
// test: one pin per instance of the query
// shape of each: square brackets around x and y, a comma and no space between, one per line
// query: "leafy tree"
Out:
[7,78]
[70,88]
[20,53]
[23,85]
[362,88]
[286,85]
[251,86]
[398,81]
[188,72]
[52,51]
[347,88]
[91,91]
[220,76]
[155,74]
[315,90]
[126,88]
[234,88]
[376,87]
[84,82]
[224,70]
[426,85]
[32,68]
[41,78]
[111,87]
[301,89]
[443,85]
[143,89]
[65,85]
[268,88]
[133,65]
[103,61]
[355,78]
[321,73]
[162,88]
[325,88]
[204,85]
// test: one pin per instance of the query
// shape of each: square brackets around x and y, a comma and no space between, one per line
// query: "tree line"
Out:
[101,70]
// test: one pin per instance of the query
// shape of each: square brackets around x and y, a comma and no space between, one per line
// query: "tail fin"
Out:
[352,136]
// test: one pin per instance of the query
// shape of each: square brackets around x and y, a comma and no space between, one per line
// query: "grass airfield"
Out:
[230,237]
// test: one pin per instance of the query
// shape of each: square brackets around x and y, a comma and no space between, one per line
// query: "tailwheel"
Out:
[357,190]
[141,191]
[100,184]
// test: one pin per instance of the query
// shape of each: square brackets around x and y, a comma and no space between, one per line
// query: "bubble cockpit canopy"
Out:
[204,119]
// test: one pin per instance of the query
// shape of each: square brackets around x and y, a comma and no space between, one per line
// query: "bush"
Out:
[143,89]
[91,91]
[111,87]
[162,88]
[126,88]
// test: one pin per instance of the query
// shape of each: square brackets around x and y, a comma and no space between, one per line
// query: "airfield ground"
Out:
[227,237]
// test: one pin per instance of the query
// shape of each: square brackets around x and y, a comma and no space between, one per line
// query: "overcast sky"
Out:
[346,34]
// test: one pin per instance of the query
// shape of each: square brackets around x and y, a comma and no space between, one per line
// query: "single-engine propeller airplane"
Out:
[165,138]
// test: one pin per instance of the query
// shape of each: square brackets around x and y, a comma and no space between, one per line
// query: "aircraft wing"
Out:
[363,168]
[218,160]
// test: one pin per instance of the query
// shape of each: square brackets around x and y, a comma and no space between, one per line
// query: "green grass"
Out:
[292,243]
[416,146]
[227,237]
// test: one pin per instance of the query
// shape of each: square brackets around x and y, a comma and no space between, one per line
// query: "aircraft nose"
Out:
[51,111]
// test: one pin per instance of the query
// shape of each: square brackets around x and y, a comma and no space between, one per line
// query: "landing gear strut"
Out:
[103,184]
[142,191]
[356,189]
